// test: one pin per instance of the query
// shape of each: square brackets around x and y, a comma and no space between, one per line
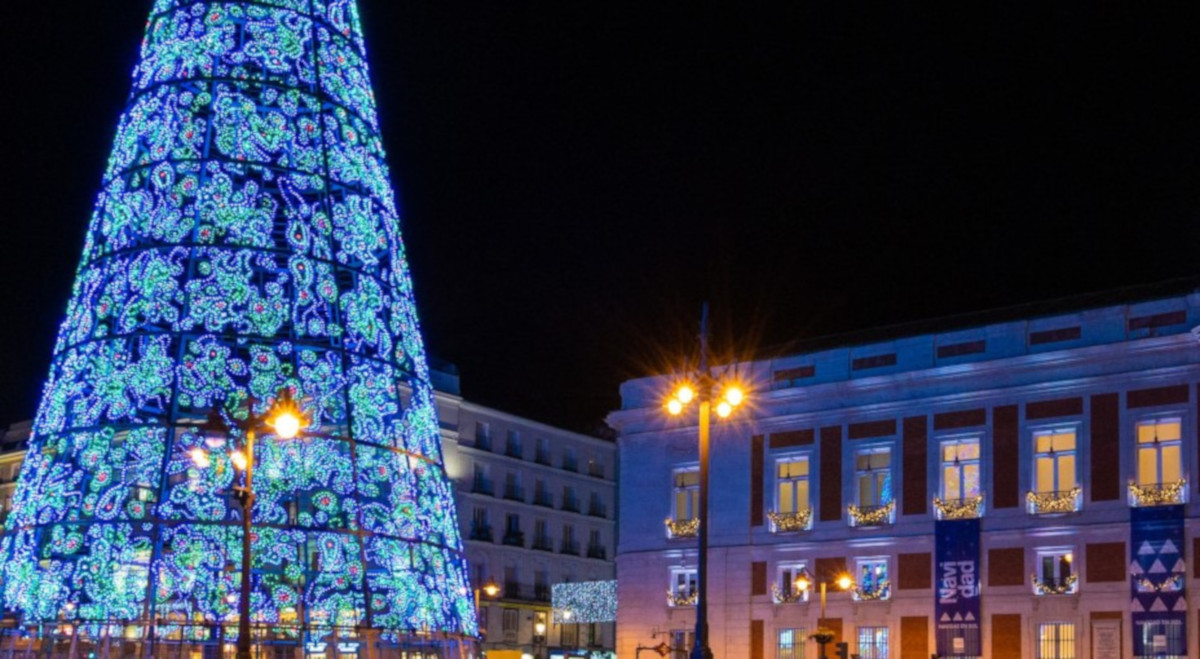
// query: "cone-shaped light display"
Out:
[245,240]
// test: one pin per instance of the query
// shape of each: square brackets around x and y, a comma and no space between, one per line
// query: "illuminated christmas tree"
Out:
[245,241]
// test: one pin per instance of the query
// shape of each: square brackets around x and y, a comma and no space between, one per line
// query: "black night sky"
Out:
[575,177]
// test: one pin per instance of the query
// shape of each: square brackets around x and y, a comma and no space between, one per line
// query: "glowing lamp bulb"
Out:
[844,582]
[685,394]
[724,409]
[1069,557]
[231,598]
[674,406]
[491,589]
[287,425]
[735,396]
[567,615]
[802,584]
[200,458]
[239,460]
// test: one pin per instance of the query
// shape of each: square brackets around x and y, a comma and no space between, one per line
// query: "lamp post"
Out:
[704,392]
[823,635]
[285,420]
[539,638]
[490,589]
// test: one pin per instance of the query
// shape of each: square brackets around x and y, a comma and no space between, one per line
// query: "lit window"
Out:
[873,475]
[784,589]
[791,484]
[1056,640]
[960,469]
[1055,572]
[873,642]
[686,490]
[1160,638]
[1159,446]
[1054,461]
[682,590]
[791,644]
[682,641]
[872,579]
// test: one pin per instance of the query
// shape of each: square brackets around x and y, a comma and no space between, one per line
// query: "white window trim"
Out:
[942,441]
[1159,416]
[859,562]
[674,500]
[796,567]
[874,447]
[1042,553]
[791,457]
[1034,430]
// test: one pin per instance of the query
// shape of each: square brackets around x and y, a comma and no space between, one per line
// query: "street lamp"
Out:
[539,637]
[285,421]
[704,388]
[823,635]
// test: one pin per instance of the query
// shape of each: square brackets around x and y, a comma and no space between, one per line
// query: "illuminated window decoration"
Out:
[245,239]
[587,601]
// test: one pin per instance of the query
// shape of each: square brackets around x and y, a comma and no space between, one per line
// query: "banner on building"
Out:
[1158,574]
[957,606]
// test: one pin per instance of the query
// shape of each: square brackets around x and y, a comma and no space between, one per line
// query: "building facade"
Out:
[537,507]
[1037,472]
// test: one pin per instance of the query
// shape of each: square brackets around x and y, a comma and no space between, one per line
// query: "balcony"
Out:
[483,486]
[483,443]
[570,465]
[791,595]
[570,547]
[481,533]
[1158,494]
[570,505]
[968,508]
[682,597]
[541,593]
[878,591]
[514,539]
[1059,502]
[682,528]
[512,590]
[514,493]
[865,516]
[596,470]
[801,520]
[542,458]
[514,451]
[597,510]
[1052,586]
[543,544]
[544,499]
[598,552]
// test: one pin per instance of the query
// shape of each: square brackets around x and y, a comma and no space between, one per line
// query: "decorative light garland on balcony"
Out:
[790,522]
[871,515]
[683,528]
[1164,494]
[1170,584]
[1051,503]
[969,508]
[780,597]
[682,597]
[881,591]
[1063,587]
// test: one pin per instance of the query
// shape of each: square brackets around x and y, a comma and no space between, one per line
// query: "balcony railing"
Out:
[512,590]
[482,486]
[801,520]
[683,528]
[570,505]
[781,596]
[544,499]
[514,493]
[596,470]
[483,443]
[514,539]
[1158,494]
[514,451]
[542,458]
[869,593]
[968,508]
[570,465]
[597,551]
[570,547]
[482,533]
[543,544]
[872,515]
[597,510]
[1054,503]
[1052,586]
[541,593]
[682,597]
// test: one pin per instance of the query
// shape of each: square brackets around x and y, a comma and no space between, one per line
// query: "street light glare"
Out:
[685,394]
[287,425]
[735,395]
[724,409]
[200,458]
[844,582]
[674,406]
[802,584]
[239,460]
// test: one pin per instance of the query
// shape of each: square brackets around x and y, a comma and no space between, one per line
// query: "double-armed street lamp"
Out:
[804,582]
[284,420]
[703,387]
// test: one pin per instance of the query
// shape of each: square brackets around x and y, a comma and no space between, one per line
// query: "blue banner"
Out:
[1158,575]
[957,609]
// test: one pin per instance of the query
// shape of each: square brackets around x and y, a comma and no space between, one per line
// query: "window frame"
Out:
[1057,643]
[794,567]
[873,649]
[693,490]
[691,576]
[797,648]
[1076,428]
[884,584]
[889,483]
[1057,580]
[943,443]
[778,481]
[1157,418]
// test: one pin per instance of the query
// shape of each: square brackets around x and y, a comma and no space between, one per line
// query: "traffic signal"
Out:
[842,650]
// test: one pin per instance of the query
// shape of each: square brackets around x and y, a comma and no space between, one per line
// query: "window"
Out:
[1055,572]
[784,589]
[686,489]
[570,503]
[682,589]
[1159,445]
[1056,640]
[873,476]
[512,445]
[681,643]
[481,484]
[960,469]
[791,484]
[483,436]
[570,634]
[541,535]
[791,644]
[1054,467]
[511,620]
[873,642]
[512,486]
[542,456]
[1160,638]
[570,459]
[872,581]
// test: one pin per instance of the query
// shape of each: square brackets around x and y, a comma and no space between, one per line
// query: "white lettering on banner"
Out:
[958,580]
